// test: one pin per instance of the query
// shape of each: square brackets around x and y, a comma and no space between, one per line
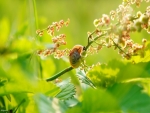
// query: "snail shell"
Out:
[75,56]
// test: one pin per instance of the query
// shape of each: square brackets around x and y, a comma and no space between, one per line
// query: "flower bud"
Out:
[137,24]
[144,19]
[96,22]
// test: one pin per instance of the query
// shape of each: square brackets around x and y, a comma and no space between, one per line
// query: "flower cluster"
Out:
[54,26]
[57,26]
[118,34]
[137,2]
[57,40]
[112,30]
[56,52]
[105,20]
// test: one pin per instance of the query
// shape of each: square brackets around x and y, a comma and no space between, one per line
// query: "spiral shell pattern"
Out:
[75,56]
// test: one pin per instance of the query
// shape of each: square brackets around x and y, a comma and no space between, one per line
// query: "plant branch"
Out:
[89,43]
[59,74]
[90,36]
[119,48]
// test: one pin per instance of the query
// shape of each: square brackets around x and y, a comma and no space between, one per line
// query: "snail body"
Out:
[75,56]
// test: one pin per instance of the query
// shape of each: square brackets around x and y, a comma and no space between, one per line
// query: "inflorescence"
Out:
[113,30]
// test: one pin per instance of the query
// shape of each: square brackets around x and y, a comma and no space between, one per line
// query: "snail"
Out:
[75,56]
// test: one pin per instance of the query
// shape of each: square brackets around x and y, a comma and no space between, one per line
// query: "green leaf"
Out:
[129,70]
[25,86]
[2,102]
[117,71]
[8,97]
[49,105]
[46,88]
[93,100]
[103,75]
[2,82]
[84,79]
[96,101]
[131,98]
[15,109]
[67,89]
[144,82]
[21,77]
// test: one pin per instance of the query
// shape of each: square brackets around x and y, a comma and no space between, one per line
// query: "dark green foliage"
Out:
[115,86]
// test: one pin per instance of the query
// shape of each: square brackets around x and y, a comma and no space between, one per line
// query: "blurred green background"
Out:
[20,13]
[19,20]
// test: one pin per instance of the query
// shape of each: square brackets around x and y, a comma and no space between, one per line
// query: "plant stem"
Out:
[119,48]
[93,41]
[90,36]
[59,74]
[35,14]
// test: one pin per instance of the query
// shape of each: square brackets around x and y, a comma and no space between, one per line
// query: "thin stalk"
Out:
[59,74]
[90,36]
[35,14]
[93,41]
[120,48]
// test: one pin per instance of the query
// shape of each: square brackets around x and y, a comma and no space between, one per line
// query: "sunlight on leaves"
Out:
[49,105]
[94,102]
[103,75]
[31,51]
[131,98]
[67,90]
[126,70]
[84,79]
[144,82]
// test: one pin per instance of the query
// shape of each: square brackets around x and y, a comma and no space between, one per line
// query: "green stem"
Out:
[35,14]
[90,36]
[93,41]
[59,74]
[119,48]
[15,110]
